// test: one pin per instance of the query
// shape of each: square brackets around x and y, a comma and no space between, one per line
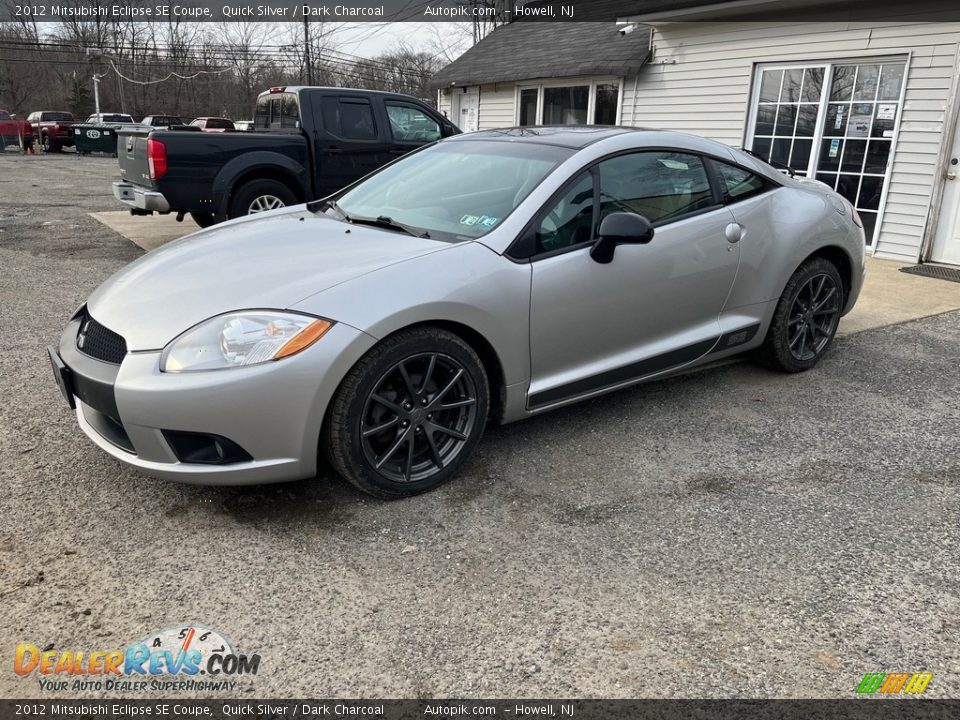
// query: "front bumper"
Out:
[273,411]
[137,198]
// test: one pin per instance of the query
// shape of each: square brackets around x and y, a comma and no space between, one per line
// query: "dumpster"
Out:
[95,137]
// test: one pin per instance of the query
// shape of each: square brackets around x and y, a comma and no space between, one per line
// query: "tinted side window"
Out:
[348,118]
[261,116]
[411,124]
[569,221]
[659,185]
[289,112]
[739,184]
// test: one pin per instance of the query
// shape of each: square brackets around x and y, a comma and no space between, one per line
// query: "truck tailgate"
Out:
[132,156]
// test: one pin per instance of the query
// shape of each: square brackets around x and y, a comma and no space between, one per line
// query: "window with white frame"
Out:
[593,103]
[834,121]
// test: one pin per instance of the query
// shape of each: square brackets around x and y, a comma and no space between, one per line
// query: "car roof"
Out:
[570,136]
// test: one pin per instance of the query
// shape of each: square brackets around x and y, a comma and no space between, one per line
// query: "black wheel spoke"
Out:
[401,438]
[428,374]
[825,299]
[449,386]
[411,389]
[466,402]
[434,451]
[380,428]
[447,431]
[386,403]
[411,446]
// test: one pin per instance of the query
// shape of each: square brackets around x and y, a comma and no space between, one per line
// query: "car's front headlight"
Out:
[242,338]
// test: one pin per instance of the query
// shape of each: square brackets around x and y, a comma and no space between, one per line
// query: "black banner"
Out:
[473,10]
[857,709]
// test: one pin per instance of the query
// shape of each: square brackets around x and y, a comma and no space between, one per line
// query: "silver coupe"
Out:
[487,277]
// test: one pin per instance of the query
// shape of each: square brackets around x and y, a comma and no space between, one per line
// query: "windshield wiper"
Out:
[389,223]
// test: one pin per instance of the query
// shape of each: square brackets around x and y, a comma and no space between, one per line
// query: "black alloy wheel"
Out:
[418,417]
[813,317]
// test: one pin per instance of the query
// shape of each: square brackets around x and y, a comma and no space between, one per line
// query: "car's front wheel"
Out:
[805,320]
[408,414]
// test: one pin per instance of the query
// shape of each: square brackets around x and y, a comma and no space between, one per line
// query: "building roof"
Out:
[527,50]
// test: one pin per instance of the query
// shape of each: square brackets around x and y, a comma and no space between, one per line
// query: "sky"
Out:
[371,39]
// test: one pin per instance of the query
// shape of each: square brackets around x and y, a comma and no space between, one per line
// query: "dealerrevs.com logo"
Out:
[187,658]
[894,683]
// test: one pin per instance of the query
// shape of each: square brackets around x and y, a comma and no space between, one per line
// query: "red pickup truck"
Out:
[14,132]
[53,128]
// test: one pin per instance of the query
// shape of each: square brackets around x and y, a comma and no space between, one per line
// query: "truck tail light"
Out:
[156,158]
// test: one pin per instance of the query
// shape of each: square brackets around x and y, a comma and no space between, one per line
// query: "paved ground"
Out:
[731,532]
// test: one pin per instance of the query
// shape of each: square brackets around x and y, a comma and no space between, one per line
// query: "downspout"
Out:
[636,80]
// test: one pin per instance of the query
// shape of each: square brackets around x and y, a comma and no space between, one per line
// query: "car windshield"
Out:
[57,116]
[4,115]
[460,189]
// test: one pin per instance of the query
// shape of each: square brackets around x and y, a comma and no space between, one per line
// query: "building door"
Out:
[946,243]
[833,121]
[465,107]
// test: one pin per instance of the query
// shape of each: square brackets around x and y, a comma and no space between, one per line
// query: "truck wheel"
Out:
[259,196]
[203,219]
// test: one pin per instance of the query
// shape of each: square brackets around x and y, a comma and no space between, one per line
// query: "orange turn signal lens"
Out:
[304,339]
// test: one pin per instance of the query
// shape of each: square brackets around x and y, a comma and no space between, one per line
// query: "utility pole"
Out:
[96,94]
[306,48]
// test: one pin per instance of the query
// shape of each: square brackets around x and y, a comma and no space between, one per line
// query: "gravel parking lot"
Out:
[733,532]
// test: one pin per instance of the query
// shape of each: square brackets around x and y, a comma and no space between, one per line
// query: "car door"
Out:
[656,305]
[410,127]
[349,142]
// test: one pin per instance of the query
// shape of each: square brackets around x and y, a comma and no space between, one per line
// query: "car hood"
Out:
[265,263]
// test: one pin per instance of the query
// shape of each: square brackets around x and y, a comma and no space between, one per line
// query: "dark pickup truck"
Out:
[307,143]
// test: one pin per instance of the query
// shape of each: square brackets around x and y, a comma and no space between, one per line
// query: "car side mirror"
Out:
[447,130]
[620,228]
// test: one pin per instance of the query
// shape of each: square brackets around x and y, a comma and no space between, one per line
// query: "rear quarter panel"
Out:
[780,230]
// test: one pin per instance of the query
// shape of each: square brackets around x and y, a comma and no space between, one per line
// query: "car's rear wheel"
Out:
[259,196]
[203,219]
[408,414]
[805,320]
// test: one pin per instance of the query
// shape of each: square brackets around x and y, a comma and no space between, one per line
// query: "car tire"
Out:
[203,219]
[265,194]
[398,394]
[805,320]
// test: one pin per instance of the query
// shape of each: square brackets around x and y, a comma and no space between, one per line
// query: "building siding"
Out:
[699,81]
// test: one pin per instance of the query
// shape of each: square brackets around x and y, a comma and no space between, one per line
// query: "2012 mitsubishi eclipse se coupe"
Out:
[493,275]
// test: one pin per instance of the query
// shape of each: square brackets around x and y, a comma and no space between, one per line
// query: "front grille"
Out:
[100,343]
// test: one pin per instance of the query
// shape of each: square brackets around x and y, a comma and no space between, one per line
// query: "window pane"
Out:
[766,117]
[869,223]
[411,124]
[570,220]
[842,86]
[807,120]
[853,156]
[565,105]
[786,120]
[528,107]
[830,151]
[848,185]
[290,112]
[761,148]
[781,151]
[812,84]
[861,120]
[657,185]
[792,80]
[883,120]
[836,119]
[878,154]
[739,183]
[869,197]
[891,78]
[866,87]
[605,105]
[770,85]
[801,154]
[356,121]
[828,178]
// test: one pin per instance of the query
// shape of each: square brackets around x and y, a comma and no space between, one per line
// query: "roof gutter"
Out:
[718,11]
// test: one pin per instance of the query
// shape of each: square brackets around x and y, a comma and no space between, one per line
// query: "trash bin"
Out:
[95,137]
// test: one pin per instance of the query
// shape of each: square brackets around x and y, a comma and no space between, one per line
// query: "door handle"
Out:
[733,233]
